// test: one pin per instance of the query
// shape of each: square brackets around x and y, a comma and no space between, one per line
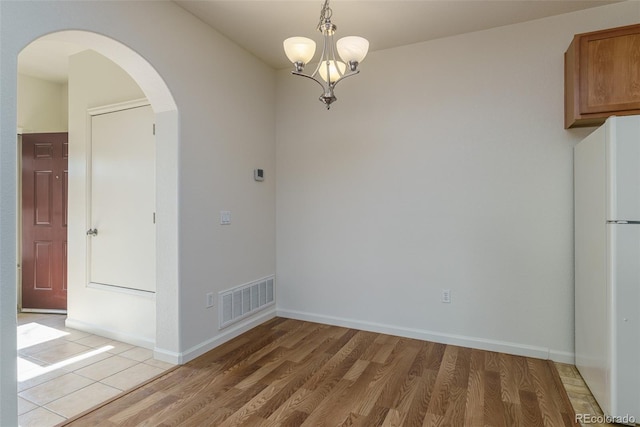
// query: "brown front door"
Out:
[44,221]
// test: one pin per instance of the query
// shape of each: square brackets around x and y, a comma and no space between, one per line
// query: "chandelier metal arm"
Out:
[322,85]
[353,73]
[328,54]
[309,77]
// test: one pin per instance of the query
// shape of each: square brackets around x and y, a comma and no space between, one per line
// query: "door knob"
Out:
[92,232]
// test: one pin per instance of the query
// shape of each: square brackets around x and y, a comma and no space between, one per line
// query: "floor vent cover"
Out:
[244,300]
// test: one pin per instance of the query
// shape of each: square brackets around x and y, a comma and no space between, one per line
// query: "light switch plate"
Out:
[225,217]
[209,300]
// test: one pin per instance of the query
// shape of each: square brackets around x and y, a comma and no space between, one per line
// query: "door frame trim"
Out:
[19,132]
[119,106]
[122,290]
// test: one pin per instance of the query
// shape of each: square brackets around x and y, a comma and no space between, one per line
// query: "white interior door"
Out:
[122,199]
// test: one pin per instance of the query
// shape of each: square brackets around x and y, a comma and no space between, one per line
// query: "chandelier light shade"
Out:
[299,49]
[352,50]
[336,69]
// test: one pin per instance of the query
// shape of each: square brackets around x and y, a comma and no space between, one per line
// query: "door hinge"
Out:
[154,128]
[154,217]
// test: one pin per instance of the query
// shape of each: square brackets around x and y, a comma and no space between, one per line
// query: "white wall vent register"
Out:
[242,301]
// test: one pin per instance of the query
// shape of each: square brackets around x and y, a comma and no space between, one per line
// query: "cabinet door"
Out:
[610,70]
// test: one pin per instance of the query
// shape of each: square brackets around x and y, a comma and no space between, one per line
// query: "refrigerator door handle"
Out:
[623,222]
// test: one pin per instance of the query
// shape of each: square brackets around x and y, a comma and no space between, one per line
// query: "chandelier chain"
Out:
[325,14]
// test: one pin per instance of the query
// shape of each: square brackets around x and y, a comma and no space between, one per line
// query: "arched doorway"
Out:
[166,345]
[166,117]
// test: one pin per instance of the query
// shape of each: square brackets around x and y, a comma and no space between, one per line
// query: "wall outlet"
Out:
[446,295]
[210,300]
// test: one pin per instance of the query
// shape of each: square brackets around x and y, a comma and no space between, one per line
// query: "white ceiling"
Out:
[47,59]
[259,26]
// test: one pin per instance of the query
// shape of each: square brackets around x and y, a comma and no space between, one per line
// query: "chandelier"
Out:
[352,50]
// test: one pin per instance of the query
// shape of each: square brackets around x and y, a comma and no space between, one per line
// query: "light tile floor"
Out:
[63,372]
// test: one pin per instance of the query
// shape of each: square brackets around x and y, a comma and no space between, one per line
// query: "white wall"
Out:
[442,165]
[42,105]
[96,81]
[225,100]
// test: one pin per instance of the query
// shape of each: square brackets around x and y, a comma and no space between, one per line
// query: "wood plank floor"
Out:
[293,373]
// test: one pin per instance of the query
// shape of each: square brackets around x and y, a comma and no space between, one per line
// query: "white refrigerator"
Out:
[607,265]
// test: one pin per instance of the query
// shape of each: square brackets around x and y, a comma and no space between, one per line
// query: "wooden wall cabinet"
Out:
[602,76]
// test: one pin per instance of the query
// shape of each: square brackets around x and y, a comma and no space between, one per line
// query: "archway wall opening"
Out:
[111,305]
[225,128]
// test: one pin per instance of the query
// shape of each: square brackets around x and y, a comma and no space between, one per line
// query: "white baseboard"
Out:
[229,333]
[459,340]
[240,328]
[171,356]
[42,310]
[562,357]
[166,356]
[109,333]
